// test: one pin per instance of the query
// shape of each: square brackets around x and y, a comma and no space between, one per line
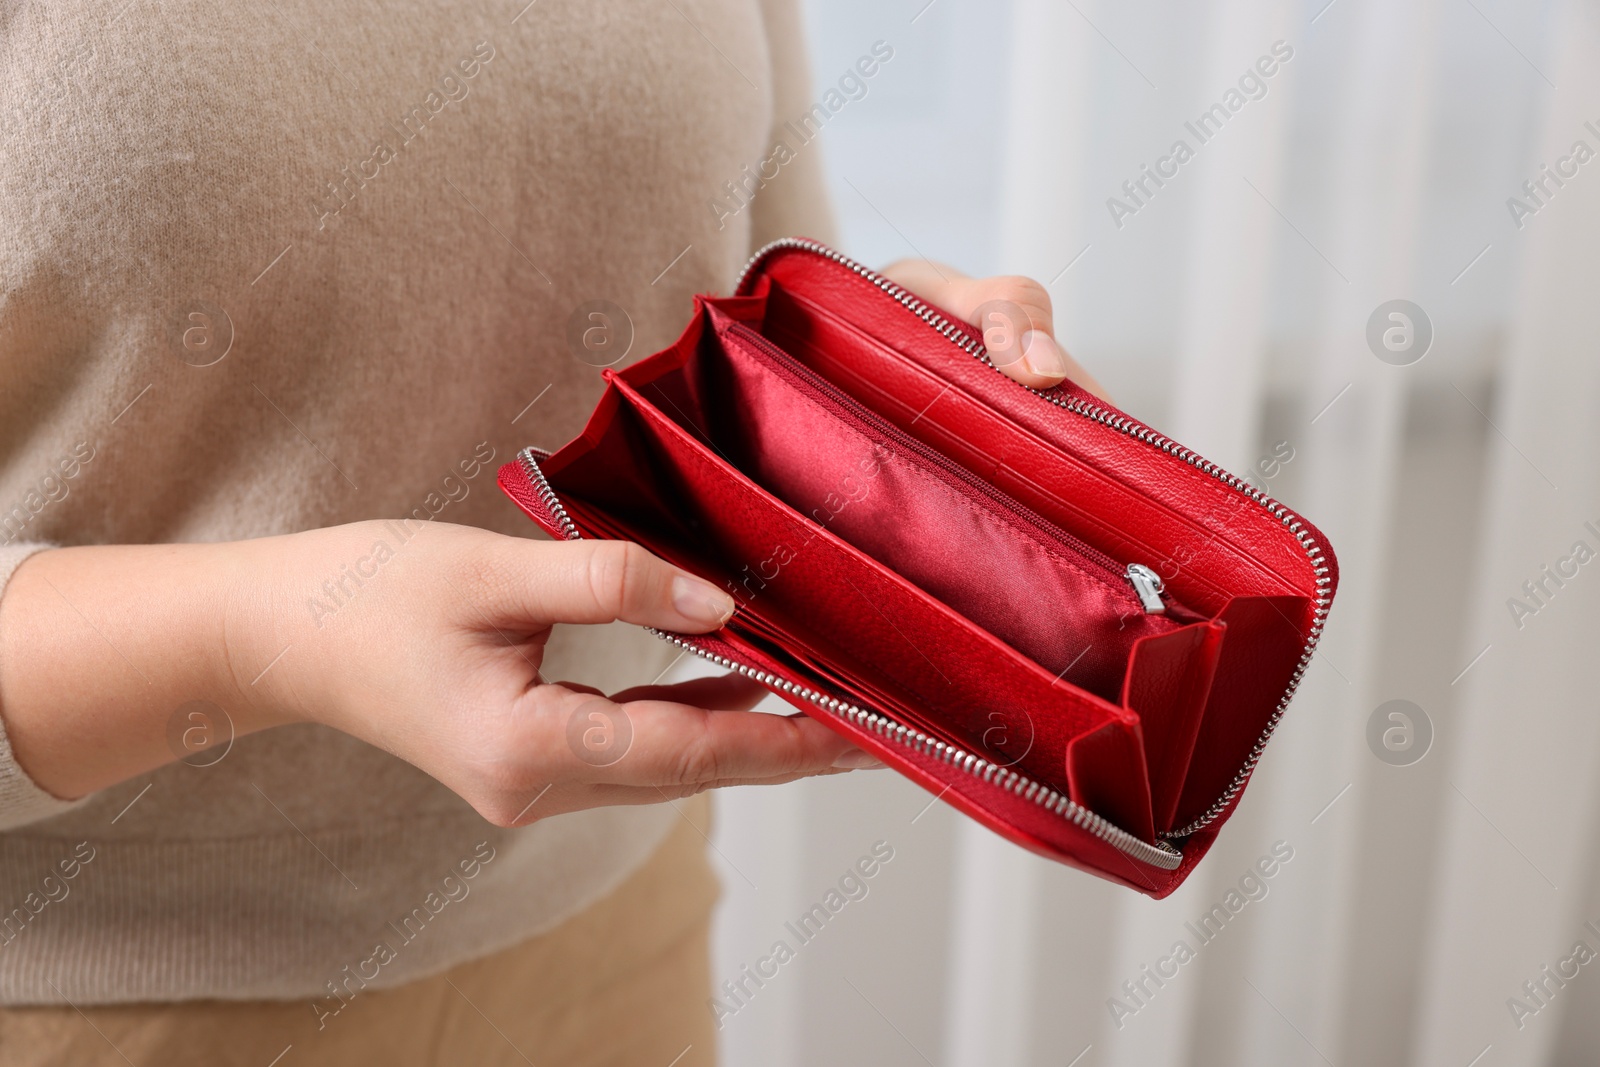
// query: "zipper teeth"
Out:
[547,495]
[933,458]
[1160,854]
[1124,425]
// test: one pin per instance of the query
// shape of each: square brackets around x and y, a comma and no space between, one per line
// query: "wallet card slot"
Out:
[895,388]
[1107,771]
[997,744]
[1168,685]
[1254,666]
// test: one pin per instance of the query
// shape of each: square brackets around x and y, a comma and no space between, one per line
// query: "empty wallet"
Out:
[1057,620]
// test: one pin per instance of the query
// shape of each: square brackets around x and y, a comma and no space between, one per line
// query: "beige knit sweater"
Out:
[268,267]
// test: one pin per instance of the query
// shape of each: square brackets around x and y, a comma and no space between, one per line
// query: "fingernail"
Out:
[857,760]
[701,601]
[1043,357]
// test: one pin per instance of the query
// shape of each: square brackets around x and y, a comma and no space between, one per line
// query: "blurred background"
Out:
[1443,871]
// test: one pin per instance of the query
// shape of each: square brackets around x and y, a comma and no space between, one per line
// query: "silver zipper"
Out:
[1148,585]
[1160,854]
[1124,425]
[547,495]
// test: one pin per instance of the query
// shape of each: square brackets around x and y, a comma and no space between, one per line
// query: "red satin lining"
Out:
[1065,611]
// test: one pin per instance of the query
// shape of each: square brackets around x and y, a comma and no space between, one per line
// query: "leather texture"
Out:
[908,532]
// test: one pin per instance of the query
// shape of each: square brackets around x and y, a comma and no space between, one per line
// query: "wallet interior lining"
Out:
[967,545]
[636,476]
[697,511]
[1195,738]
[950,420]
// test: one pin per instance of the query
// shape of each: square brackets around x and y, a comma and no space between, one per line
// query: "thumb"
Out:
[1014,314]
[603,581]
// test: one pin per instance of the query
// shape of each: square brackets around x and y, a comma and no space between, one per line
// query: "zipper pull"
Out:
[1147,583]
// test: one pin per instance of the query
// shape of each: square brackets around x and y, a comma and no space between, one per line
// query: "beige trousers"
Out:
[623,983]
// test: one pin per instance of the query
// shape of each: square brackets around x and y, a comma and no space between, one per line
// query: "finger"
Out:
[610,793]
[1015,315]
[682,745]
[579,687]
[1017,318]
[601,581]
[567,797]
[569,743]
[925,277]
[854,759]
[727,692]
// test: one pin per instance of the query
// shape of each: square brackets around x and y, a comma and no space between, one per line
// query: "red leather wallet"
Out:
[1062,623]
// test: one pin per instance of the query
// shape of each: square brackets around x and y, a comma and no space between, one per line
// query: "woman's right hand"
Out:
[429,648]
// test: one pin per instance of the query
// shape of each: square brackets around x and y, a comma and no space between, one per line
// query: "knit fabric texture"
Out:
[266,268]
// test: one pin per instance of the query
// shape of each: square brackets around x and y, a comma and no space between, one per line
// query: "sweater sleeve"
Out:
[21,800]
[796,202]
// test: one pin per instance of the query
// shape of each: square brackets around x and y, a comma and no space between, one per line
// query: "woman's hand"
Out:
[429,648]
[437,657]
[1014,314]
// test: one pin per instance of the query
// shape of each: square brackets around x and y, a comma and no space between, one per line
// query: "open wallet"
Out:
[1050,616]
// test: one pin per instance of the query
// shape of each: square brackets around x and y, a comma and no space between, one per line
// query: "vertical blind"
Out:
[1433,897]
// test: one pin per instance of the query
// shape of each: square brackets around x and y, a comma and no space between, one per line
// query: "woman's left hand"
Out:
[1014,314]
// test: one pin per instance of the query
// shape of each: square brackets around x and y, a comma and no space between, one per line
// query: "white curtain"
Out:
[1231,310]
